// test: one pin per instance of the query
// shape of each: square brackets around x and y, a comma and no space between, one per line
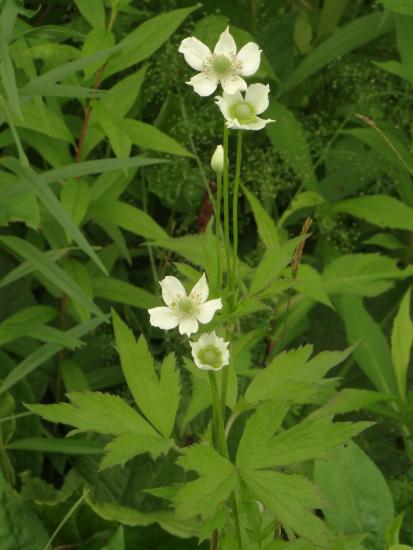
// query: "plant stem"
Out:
[218,228]
[226,209]
[235,214]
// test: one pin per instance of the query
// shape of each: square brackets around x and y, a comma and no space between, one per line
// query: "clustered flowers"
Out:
[186,311]
[226,66]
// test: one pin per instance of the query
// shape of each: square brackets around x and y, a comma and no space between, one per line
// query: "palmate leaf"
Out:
[216,482]
[126,446]
[157,398]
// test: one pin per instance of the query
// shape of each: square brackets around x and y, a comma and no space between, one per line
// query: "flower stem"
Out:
[226,209]
[235,214]
[218,228]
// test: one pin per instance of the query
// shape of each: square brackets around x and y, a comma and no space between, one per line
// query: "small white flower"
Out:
[241,112]
[225,65]
[217,160]
[185,311]
[210,352]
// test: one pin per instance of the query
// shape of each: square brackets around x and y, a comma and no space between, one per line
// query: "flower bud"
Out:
[217,160]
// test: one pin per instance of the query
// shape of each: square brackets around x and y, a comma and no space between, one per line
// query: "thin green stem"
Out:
[218,228]
[235,215]
[226,208]
[65,519]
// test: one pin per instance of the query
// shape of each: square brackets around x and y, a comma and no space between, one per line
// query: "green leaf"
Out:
[291,498]
[359,500]
[401,343]
[304,200]
[55,274]
[8,77]
[127,217]
[116,290]
[89,167]
[111,124]
[399,6]
[215,484]
[76,196]
[44,121]
[126,446]
[117,542]
[157,398]
[20,527]
[288,139]
[308,440]
[93,11]
[149,137]
[98,412]
[349,400]
[310,283]
[272,263]
[351,36]
[373,352]
[54,207]
[52,445]
[146,39]
[267,229]
[361,275]
[379,210]
[40,356]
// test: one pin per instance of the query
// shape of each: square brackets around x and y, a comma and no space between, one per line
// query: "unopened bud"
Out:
[217,161]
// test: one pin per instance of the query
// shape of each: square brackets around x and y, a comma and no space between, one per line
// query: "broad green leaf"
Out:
[55,274]
[215,484]
[353,35]
[124,93]
[272,263]
[17,203]
[44,121]
[267,229]
[308,440]
[157,398]
[80,275]
[53,445]
[120,291]
[288,139]
[126,446]
[61,90]
[149,137]
[95,41]
[127,217]
[75,197]
[40,356]
[94,411]
[89,167]
[111,124]
[93,11]
[146,39]
[349,400]
[401,343]
[20,526]
[304,200]
[380,210]
[361,275]
[359,500]
[373,352]
[385,240]
[73,377]
[399,6]
[117,542]
[310,283]
[54,207]
[132,517]
[292,499]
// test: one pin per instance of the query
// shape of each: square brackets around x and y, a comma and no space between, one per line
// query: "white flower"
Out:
[241,112]
[217,160]
[225,65]
[185,311]
[210,352]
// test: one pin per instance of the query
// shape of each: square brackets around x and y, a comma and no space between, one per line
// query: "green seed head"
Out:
[211,356]
[243,111]
[221,65]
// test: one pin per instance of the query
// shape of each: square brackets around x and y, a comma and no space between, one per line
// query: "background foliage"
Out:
[104,178]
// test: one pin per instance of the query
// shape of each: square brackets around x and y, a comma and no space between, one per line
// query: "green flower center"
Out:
[211,356]
[221,65]
[186,307]
[243,111]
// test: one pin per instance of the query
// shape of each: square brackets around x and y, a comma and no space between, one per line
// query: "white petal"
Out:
[223,106]
[200,291]
[249,57]
[233,84]
[171,289]
[207,310]
[195,52]
[226,44]
[163,317]
[259,123]
[188,326]
[203,84]
[257,95]
[230,99]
